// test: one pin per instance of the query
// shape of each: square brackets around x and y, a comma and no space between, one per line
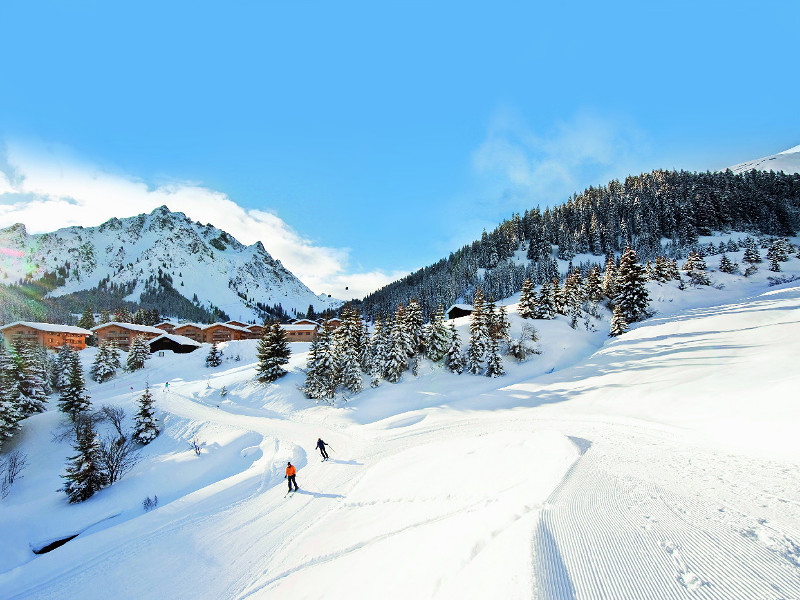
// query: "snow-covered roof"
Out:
[309,321]
[195,325]
[461,306]
[294,327]
[131,326]
[178,339]
[234,327]
[52,327]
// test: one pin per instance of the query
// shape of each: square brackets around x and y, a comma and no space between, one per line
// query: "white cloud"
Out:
[547,168]
[47,188]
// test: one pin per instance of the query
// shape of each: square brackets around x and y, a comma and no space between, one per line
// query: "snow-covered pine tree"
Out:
[632,296]
[365,357]
[454,360]
[494,364]
[751,253]
[73,399]
[10,413]
[695,267]
[594,289]
[502,326]
[527,300]
[145,428]
[618,323]
[84,473]
[397,356]
[214,357]
[558,300]
[478,336]
[610,278]
[321,377]
[272,352]
[87,319]
[105,316]
[439,338]
[544,307]
[61,368]
[413,324]
[138,353]
[33,381]
[726,266]
[104,366]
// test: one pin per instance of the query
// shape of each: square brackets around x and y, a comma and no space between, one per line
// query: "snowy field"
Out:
[659,464]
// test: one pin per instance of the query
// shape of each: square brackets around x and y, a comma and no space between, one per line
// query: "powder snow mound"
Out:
[140,253]
[787,161]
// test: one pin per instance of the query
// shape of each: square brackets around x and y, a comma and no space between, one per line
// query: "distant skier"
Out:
[166,386]
[290,475]
[321,447]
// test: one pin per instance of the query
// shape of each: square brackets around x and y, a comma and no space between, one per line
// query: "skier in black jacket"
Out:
[321,446]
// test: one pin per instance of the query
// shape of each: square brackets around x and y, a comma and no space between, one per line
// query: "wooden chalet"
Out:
[166,326]
[222,332]
[459,310]
[123,334]
[48,335]
[256,331]
[301,332]
[193,331]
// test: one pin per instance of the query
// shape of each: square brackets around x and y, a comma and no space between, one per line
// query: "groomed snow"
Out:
[660,464]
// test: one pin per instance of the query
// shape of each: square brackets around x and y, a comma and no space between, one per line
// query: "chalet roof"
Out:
[308,321]
[299,327]
[468,307]
[178,339]
[130,326]
[195,325]
[226,326]
[50,327]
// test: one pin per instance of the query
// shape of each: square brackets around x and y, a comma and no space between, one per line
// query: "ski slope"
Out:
[660,464]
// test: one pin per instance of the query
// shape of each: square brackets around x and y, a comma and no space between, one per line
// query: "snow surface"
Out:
[787,161]
[659,464]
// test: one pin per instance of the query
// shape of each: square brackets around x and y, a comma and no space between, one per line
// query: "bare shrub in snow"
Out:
[10,470]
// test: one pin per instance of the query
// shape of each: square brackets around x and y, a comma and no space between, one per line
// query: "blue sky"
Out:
[360,141]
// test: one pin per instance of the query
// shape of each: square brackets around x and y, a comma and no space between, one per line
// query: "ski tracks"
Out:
[610,532]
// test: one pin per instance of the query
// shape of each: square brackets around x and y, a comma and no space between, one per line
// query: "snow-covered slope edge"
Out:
[787,161]
[135,253]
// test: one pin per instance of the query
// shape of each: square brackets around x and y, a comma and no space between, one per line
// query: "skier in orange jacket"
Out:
[290,475]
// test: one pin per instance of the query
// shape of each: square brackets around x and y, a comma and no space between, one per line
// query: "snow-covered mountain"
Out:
[150,252]
[787,161]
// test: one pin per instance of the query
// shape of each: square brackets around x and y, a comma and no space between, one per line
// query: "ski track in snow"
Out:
[633,533]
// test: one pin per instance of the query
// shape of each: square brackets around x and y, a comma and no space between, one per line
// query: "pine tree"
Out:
[10,413]
[751,254]
[139,353]
[33,378]
[726,266]
[594,289]
[272,352]
[527,300]
[61,367]
[439,336]
[145,428]
[454,360]
[610,278]
[397,356]
[413,325]
[105,316]
[494,366]
[695,268]
[214,357]
[87,319]
[479,336]
[84,473]
[321,381]
[544,307]
[106,363]
[618,323]
[632,297]
[73,399]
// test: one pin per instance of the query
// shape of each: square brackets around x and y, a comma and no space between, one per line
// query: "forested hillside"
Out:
[658,213]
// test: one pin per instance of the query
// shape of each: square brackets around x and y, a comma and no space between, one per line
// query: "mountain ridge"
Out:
[153,252]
